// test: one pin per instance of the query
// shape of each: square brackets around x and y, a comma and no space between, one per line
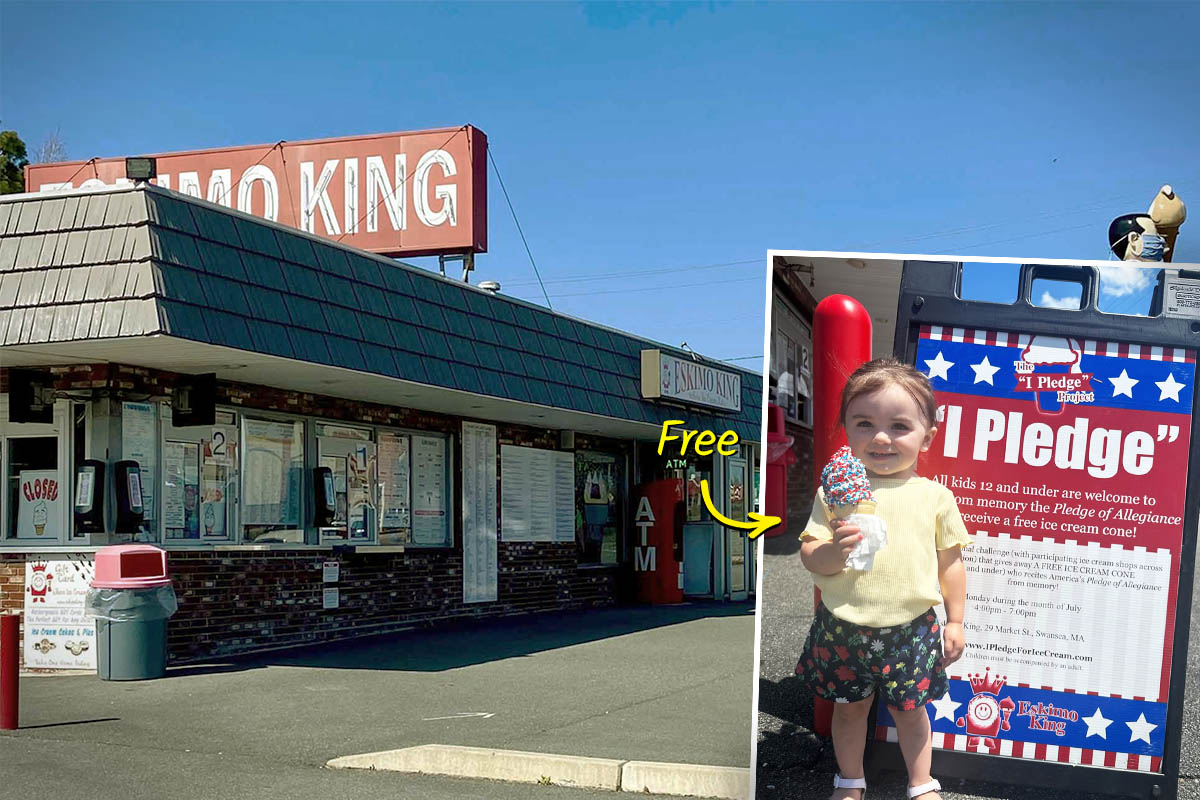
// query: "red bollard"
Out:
[841,344]
[10,665]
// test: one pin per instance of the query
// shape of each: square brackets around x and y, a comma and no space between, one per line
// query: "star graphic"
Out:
[1169,388]
[1140,729]
[984,371]
[939,367]
[1123,384]
[1097,725]
[945,708]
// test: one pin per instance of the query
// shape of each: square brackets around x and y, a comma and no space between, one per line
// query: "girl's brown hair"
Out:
[883,372]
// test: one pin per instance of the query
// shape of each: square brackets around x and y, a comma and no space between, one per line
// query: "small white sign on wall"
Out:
[57,634]
[329,598]
[330,571]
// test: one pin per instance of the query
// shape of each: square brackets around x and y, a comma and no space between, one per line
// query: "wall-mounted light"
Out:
[141,168]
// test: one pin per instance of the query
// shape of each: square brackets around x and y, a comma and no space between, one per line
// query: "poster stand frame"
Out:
[930,295]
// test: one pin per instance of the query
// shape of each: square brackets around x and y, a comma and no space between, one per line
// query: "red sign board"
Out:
[397,194]
[1068,458]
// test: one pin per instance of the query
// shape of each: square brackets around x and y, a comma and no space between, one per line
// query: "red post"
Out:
[10,665]
[841,343]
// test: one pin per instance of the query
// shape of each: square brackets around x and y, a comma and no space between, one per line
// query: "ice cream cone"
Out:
[843,511]
[39,529]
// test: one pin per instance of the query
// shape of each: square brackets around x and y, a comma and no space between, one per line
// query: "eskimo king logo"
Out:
[39,582]
[987,712]
[1049,365]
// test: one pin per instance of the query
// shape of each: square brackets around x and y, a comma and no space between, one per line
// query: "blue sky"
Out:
[643,144]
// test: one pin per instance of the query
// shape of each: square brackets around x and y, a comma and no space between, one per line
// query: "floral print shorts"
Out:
[845,662]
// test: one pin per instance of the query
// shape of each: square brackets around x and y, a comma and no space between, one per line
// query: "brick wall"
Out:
[243,601]
[801,488]
[238,602]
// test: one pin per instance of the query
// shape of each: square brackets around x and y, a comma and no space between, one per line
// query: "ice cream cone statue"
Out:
[39,518]
[1149,236]
[847,493]
[1168,212]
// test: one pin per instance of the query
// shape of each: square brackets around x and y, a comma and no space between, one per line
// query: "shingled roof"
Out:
[146,261]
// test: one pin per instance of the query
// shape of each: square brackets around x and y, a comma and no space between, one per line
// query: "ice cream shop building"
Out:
[330,443]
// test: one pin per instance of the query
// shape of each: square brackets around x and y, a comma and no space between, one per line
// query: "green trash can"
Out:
[131,600]
[131,640]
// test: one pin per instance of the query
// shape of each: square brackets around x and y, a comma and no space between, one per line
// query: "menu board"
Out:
[57,634]
[538,497]
[480,570]
[139,443]
[429,517]
[394,476]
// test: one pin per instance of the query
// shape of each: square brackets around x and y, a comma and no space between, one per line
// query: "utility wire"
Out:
[513,211]
[652,271]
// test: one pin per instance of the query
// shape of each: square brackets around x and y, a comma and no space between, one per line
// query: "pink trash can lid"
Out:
[130,566]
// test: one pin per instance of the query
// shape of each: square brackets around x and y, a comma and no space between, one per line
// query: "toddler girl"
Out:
[876,631]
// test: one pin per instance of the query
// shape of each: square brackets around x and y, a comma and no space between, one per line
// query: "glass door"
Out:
[736,539]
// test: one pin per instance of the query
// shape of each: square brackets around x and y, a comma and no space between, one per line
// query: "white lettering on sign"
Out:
[1099,451]
[435,201]
[447,192]
[380,192]
[643,559]
[644,556]
[313,197]
[259,173]
[644,518]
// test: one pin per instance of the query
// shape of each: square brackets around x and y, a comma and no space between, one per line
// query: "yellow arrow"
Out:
[761,522]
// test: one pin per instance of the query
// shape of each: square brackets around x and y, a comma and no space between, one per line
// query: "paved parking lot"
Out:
[660,684]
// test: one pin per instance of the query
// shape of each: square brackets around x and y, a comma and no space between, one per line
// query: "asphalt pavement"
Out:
[794,763]
[670,684]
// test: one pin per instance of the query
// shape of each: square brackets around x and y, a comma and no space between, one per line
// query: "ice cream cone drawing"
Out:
[39,518]
[1058,356]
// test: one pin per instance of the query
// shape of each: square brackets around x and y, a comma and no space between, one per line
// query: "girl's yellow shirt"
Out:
[922,518]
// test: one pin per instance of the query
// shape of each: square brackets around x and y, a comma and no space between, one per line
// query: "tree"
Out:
[52,149]
[12,159]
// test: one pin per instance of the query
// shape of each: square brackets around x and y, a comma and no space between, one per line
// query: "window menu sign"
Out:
[1068,458]
[689,381]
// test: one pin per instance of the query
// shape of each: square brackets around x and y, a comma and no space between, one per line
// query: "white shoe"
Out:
[850,783]
[917,791]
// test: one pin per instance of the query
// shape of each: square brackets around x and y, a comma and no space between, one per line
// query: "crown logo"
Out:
[987,682]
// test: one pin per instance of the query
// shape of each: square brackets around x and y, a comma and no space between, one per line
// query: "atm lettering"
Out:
[644,559]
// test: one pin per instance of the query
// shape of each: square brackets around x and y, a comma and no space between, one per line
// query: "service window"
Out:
[350,456]
[599,489]
[140,443]
[791,363]
[414,489]
[272,507]
[199,481]
[35,504]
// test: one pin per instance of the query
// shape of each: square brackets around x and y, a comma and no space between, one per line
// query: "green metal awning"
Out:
[149,277]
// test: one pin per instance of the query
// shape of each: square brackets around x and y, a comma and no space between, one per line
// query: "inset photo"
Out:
[982,575]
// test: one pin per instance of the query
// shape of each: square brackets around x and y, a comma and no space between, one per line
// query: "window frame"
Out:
[62,430]
[796,335]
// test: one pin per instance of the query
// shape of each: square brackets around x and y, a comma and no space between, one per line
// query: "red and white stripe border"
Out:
[1040,752]
[1091,347]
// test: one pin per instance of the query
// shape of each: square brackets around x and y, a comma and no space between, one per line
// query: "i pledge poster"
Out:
[1068,458]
